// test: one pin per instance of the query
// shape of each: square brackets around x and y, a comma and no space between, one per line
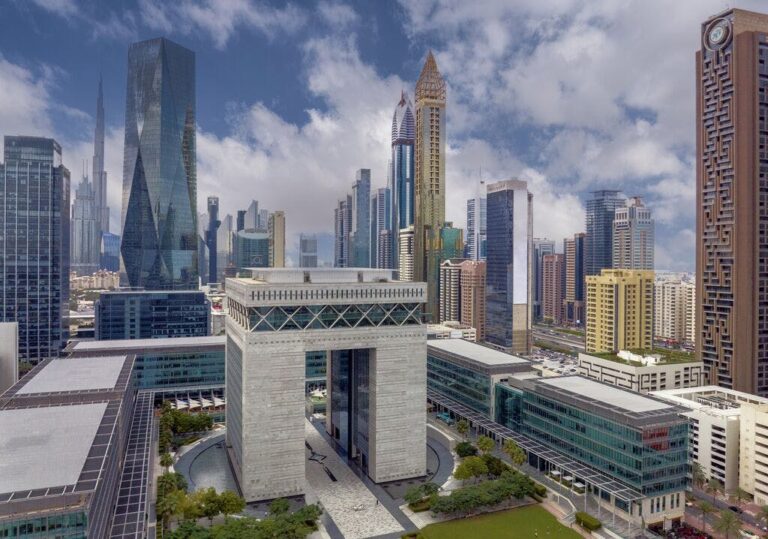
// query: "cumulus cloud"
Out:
[220,19]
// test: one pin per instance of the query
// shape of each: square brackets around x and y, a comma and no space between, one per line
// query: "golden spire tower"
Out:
[429,210]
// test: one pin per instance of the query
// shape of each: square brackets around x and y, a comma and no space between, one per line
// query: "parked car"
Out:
[445,418]
[736,509]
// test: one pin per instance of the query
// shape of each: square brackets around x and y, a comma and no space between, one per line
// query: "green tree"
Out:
[170,481]
[166,460]
[514,452]
[189,530]
[728,524]
[209,503]
[279,506]
[470,467]
[485,444]
[462,427]
[430,488]
[230,503]
[706,508]
[168,505]
[189,506]
[697,475]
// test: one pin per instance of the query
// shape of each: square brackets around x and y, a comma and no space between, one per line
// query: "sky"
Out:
[293,98]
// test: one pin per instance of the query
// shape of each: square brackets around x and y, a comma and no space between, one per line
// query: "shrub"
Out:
[587,521]
[510,484]
[495,465]
[466,449]
[420,506]
[540,490]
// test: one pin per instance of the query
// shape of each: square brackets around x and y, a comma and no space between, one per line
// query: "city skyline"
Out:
[629,132]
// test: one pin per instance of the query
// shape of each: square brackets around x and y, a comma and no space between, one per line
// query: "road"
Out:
[721,505]
[555,338]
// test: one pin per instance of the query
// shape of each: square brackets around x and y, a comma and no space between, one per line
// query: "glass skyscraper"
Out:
[85,237]
[159,217]
[508,278]
[360,232]
[598,243]
[401,175]
[34,245]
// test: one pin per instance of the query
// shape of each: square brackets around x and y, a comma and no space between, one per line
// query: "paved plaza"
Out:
[354,509]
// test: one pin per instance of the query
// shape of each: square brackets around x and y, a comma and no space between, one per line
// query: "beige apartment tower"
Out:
[553,286]
[473,296]
[619,311]
[731,200]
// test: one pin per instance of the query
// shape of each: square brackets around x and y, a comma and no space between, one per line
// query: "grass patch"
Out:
[520,523]
[668,357]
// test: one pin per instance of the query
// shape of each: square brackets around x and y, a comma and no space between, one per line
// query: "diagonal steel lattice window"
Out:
[333,316]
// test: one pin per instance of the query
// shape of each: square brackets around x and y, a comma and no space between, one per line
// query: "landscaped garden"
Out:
[523,523]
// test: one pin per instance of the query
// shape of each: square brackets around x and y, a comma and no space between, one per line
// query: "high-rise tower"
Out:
[86,244]
[402,172]
[598,243]
[99,176]
[34,245]
[429,189]
[211,235]
[633,236]
[159,217]
[509,283]
[731,200]
[476,229]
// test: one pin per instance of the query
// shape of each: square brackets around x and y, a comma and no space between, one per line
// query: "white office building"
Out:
[723,434]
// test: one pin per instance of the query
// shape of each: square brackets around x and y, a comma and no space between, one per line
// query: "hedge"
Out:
[540,490]
[587,521]
[420,506]
[466,449]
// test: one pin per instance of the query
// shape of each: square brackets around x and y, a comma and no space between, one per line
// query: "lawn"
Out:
[522,523]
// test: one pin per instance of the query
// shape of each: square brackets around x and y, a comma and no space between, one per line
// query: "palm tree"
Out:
[714,486]
[706,508]
[727,524]
[485,444]
[462,427]
[697,475]
[166,460]
[741,495]
[762,514]
[514,452]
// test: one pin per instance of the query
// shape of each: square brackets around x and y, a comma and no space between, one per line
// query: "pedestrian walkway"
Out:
[353,507]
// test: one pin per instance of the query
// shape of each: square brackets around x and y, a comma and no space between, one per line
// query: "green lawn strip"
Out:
[523,523]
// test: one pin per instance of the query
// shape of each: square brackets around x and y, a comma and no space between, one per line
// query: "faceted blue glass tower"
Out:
[159,244]
[403,133]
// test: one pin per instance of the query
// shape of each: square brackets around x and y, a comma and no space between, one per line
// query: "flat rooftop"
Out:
[613,396]
[75,374]
[316,276]
[476,352]
[46,447]
[144,344]
[714,398]
[668,357]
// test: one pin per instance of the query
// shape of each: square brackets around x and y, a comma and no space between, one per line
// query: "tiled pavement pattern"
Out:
[353,508]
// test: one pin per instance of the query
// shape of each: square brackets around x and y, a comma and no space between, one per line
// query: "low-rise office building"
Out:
[165,364]
[715,435]
[638,441]
[451,330]
[467,372]
[144,314]
[65,431]
[630,371]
